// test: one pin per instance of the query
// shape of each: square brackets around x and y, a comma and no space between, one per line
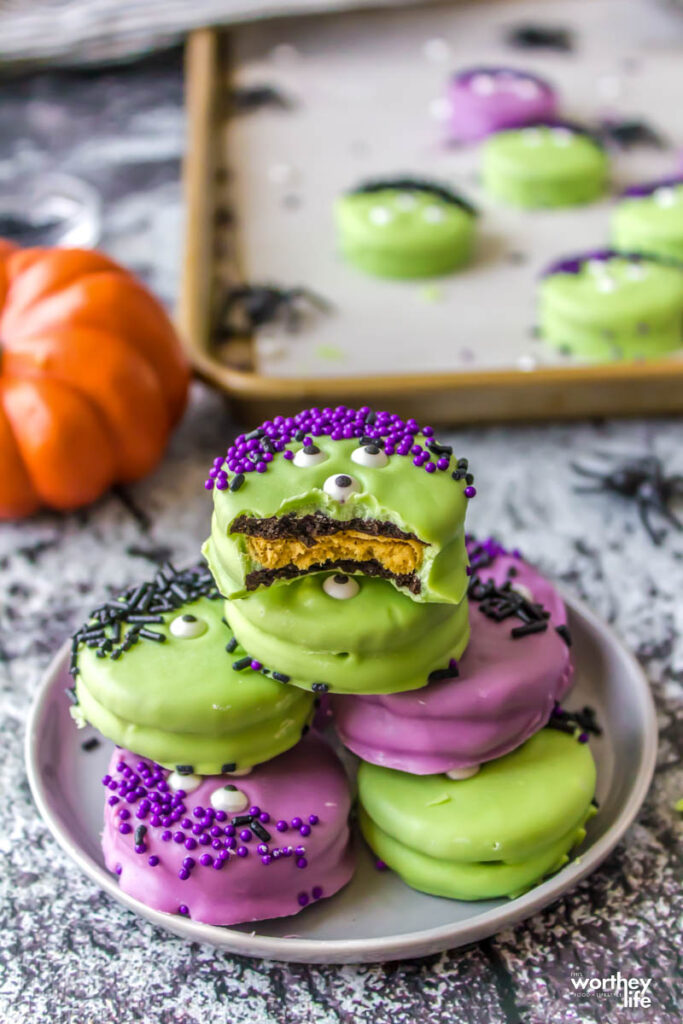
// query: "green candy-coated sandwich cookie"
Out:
[544,166]
[649,219]
[405,228]
[495,834]
[389,505]
[174,686]
[368,639]
[603,306]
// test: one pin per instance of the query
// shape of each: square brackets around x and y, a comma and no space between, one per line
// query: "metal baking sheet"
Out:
[368,90]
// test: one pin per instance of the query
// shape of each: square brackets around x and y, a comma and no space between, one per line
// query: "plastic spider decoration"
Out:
[250,306]
[644,481]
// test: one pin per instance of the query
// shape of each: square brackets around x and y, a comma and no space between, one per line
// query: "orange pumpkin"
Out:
[92,378]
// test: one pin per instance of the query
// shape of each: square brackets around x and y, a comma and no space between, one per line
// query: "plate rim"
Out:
[406,945]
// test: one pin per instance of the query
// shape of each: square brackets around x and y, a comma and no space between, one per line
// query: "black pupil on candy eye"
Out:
[372,449]
[340,578]
[343,481]
[189,618]
[311,449]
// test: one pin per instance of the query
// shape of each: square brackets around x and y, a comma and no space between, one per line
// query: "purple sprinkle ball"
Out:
[182,909]
[153,860]
[316,892]
[282,826]
[380,865]
[256,451]
[313,819]
[302,862]
[302,899]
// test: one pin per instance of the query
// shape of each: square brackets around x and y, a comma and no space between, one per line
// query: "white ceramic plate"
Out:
[376,917]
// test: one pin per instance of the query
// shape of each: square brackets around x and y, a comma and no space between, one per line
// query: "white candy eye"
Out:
[562,136]
[380,216]
[433,214]
[370,455]
[189,783]
[187,627]
[405,201]
[229,799]
[525,88]
[483,85]
[520,588]
[240,772]
[458,774]
[665,197]
[341,487]
[340,586]
[309,456]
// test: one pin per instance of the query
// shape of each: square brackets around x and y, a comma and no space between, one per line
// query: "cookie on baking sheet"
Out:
[649,219]
[488,99]
[544,165]
[604,305]
[405,228]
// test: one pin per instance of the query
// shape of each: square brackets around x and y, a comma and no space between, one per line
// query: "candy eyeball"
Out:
[483,85]
[458,774]
[380,216]
[188,783]
[311,455]
[229,799]
[340,586]
[370,455]
[240,772]
[187,627]
[523,590]
[341,487]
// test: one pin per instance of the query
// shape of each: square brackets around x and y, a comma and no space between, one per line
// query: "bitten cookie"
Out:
[496,834]
[260,847]
[488,99]
[405,228]
[603,306]
[649,219]
[355,491]
[158,670]
[515,668]
[550,165]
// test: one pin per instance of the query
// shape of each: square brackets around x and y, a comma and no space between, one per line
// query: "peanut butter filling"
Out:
[398,556]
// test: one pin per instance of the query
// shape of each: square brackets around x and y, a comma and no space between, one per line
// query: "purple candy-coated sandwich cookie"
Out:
[504,689]
[489,99]
[241,849]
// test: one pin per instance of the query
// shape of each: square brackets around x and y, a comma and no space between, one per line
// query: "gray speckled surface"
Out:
[68,955]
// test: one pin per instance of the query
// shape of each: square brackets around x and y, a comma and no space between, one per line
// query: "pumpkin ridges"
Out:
[6,250]
[117,304]
[17,496]
[118,380]
[63,440]
[35,274]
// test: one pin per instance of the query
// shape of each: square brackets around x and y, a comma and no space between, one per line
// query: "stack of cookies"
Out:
[338,571]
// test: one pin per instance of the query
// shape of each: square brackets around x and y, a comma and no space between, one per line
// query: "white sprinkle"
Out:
[635,272]
[526,363]
[525,88]
[458,774]
[405,201]
[440,109]
[380,216]
[531,136]
[665,197]
[597,266]
[232,801]
[437,51]
[433,214]
[483,85]
[281,174]
[605,284]
[562,136]
[189,783]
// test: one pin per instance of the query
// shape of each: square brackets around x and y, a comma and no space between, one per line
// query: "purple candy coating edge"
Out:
[465,76]
[647,188]
[573,264]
